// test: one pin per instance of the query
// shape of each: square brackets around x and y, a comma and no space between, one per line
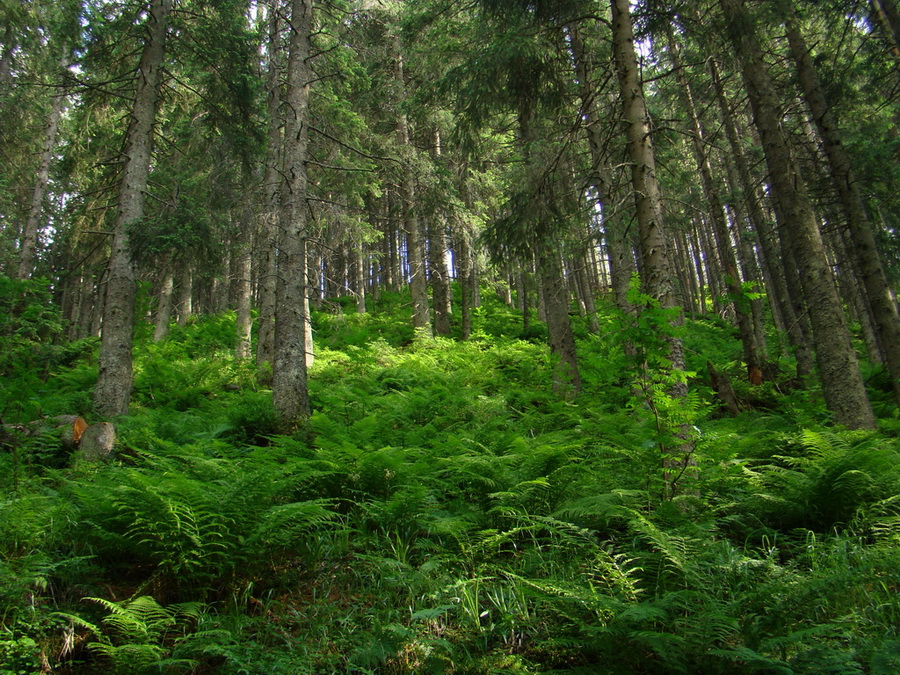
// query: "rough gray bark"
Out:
[655,267]
[773,261]
[28,243]
[164,303]
[290,393]
[566,376]
[842,385]
[97,442]
[268,225]
[868,262]
[113,391]
[244,296]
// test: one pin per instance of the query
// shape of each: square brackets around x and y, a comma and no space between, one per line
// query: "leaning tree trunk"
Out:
[290,393]
[888,19]
[871,272]
[113,391]
[656,269]
[781,300]
[842,384]
[753,353]
[28,247]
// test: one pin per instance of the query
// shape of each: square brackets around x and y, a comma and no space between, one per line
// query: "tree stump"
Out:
[97,442]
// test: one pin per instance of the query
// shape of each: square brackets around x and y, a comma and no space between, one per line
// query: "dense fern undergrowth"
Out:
[444,511]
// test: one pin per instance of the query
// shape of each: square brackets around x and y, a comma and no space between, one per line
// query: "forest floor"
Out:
[444,510]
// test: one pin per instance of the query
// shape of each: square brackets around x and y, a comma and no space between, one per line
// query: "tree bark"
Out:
[164,302]
[243,349]
[753,357]
[656,270]
[28,245]
[566,376]
[272,182]
[868,262]
[184,303]
[415,240]
[290,393]
[842,385]
[113,391]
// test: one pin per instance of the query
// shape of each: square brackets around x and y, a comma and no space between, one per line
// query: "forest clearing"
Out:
[449,336]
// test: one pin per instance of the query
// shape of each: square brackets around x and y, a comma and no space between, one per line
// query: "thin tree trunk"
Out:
[243,268]
[753,358]
[113,391]
[272,182]
[842,384]
[415,239]
[888,19]
[28,246]
[184,303]
[164,302]
[559,329]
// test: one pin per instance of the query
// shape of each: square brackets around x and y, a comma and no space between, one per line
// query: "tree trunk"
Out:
[656,270]
[113,391]
[888,19]
[272,182]
[566,377]
[753,358]
[164,302]
[842,385]
[243,349]
[184,303]
[290,393]
[415,240]
[868,262]
[28,246]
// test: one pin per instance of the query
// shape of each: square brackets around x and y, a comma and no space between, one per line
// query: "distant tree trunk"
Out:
[28,245]
[360,272]
[113,391]
[773,262]
[559,328]
[268,225]
[753,357]
[164,302]
[415,239]
[868,262]
[440,277]
[184,302]
[6,53]
[621,260]
[464,262]
[842,383]
[243,349]
[290,393]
